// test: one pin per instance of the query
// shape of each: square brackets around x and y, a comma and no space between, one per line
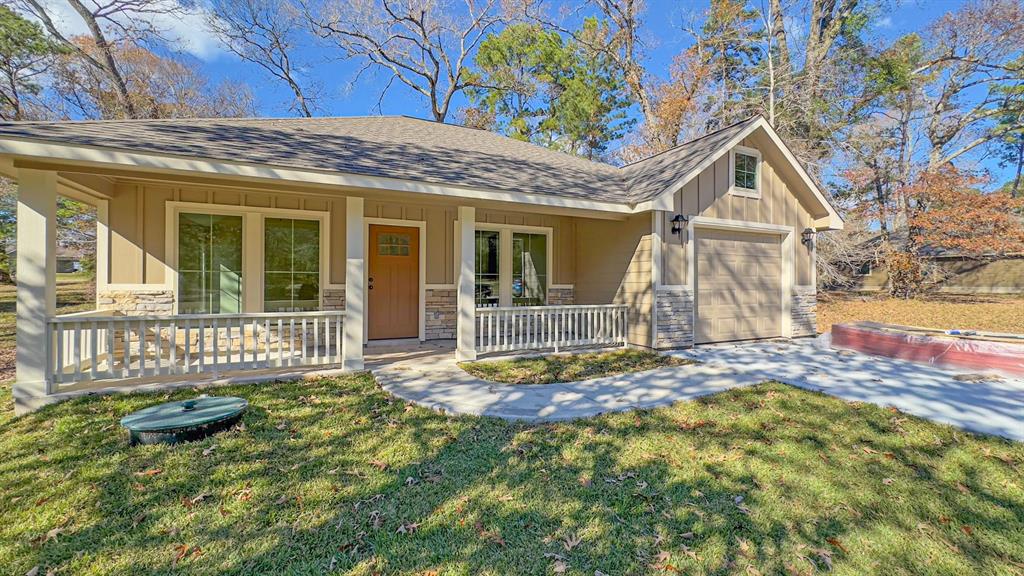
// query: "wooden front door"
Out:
[393,285]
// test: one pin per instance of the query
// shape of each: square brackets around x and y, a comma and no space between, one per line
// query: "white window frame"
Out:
[253,240]
[738,190]
[505,256]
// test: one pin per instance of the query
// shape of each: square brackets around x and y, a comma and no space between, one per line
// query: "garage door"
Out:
[739,280]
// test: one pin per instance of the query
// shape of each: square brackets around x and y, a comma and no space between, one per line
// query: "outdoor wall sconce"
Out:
[807,237]
[677,223]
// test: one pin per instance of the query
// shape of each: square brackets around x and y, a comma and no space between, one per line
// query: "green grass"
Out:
[333,476]
[569,367]
[75,293]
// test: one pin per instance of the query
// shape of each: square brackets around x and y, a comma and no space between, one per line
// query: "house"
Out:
[231,245]
[957,273]
[69,260]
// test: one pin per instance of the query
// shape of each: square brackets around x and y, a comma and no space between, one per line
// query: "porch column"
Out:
[37,282]
[355,284]
[465,329]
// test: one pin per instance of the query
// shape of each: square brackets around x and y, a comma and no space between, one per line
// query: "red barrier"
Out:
[973,354]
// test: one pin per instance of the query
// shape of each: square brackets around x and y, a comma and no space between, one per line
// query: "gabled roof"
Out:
[651,177]
[420,153]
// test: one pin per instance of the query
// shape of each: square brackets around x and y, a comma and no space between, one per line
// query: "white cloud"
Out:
[885,22]
[186,31]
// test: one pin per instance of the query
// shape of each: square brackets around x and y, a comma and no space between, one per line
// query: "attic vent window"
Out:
[745,172]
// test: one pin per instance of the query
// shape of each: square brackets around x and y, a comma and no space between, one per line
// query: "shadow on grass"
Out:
[333,476]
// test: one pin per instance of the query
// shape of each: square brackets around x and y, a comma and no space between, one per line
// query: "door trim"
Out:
[422,225]
[787,264]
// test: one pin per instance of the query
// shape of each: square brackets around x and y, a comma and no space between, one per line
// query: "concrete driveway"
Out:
[992,406]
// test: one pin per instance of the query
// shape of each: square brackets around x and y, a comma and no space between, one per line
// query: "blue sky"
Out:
[344,98]
[344,95]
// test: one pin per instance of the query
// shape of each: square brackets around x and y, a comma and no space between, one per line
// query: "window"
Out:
[511,267]
[209,264]
[393,244]
[488,287]
[745,165]
[529,269]
[291,265]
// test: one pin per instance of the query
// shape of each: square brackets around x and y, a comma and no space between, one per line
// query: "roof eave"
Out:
[79,154]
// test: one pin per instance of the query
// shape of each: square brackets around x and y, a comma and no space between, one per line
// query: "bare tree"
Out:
[157,87]
[972,52]
[110,23]
[424,44]
[266,33]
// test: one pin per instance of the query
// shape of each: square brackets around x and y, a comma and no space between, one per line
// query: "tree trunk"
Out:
[108,63]
[1015,190]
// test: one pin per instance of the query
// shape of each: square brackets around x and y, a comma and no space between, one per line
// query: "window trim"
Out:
[253,240]
[738,190]
[505,256]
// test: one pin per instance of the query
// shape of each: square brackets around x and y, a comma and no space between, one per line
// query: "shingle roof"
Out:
[388,146]
[650,177]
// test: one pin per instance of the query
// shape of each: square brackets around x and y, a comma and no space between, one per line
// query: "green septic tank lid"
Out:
[184,415]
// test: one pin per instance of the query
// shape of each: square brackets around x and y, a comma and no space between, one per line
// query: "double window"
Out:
[211,252]
[511,268]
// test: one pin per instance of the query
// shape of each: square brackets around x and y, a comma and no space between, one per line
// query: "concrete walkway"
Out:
[431,378]
[435,381]
[991,406]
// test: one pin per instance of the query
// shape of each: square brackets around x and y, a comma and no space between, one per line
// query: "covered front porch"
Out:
[162,320]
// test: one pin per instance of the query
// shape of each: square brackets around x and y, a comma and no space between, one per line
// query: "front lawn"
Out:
[569,367]
[333,476]
[990,313]
[75,293]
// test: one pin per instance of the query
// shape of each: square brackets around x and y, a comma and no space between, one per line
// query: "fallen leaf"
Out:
[835,542]
[407,528]
[888,481]
[150,472]
[379,464]
[33,572]
[571,541]
[560,567]
[967,530]
[209,450]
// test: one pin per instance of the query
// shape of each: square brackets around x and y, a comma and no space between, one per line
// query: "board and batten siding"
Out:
[137,217]
[613,265]
[137,220]
[707,195]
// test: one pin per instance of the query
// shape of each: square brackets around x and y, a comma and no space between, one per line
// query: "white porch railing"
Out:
[537,327]
[98,346]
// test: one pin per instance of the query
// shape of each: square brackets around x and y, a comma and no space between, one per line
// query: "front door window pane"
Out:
[209,264]
[291,265]
[529,269]
[487,261]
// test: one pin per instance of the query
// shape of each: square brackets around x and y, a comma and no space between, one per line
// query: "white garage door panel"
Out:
[739,280]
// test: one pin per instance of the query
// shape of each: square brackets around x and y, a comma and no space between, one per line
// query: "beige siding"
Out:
[614,265]
[138,228]
[707,195]
[138,220]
